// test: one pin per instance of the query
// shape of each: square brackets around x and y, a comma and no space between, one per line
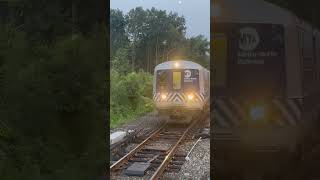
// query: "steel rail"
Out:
[168,158]
[136,149]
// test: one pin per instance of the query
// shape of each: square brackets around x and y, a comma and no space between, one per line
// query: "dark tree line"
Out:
[53,56]
[49,19]
[153,36]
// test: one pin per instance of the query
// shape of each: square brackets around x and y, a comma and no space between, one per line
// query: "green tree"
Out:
[118,34]
[136,20]
[120,61]
[153,33]
[198,50]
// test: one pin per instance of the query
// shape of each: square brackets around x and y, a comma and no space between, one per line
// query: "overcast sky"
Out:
[196,12]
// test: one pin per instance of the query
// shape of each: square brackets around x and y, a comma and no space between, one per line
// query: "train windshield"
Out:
[162,81]
[184,80]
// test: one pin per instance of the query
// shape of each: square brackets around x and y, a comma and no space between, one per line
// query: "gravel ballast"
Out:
[197,167]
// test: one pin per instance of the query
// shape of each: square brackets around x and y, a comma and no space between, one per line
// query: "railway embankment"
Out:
[193,154]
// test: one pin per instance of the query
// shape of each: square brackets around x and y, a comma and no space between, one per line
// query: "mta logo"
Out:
[187,73]
[249,39]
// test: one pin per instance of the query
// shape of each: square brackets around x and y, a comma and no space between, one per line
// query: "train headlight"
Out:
[176,64]
[163,97]
[257,112]
[190,97]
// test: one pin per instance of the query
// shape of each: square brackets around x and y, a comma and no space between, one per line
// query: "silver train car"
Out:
[181,89]
[267,84]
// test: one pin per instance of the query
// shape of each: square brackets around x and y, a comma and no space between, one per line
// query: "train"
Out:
[181,90]
[266,86]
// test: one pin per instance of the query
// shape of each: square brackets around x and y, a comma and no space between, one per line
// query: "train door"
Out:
[176,80]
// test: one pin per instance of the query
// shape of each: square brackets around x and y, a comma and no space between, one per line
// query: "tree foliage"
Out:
[51,94]
[53,108]
[153,36]
[130,96]
[118,36]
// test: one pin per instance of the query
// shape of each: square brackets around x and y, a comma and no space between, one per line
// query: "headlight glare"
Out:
[163,97]
[190,97]
[257,112]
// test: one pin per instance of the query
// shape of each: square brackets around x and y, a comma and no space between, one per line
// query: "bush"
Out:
[130,95]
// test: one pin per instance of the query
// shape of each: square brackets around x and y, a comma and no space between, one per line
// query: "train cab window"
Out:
[162,81]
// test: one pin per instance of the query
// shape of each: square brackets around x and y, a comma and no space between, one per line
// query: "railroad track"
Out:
[157,153]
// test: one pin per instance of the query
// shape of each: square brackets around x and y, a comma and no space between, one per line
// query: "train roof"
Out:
[183,64]
[251,11]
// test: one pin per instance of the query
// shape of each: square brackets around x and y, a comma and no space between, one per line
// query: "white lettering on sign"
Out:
[244,57]
[249,39]
[258,54]
[250,61]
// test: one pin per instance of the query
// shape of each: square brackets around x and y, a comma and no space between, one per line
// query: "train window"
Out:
[163,81]
[176,80]
[301,47]
[301,44]
[308,60]
[317,55]
[206,82]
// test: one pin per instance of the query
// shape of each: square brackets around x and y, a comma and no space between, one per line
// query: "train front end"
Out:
[257,106]
[177,90]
